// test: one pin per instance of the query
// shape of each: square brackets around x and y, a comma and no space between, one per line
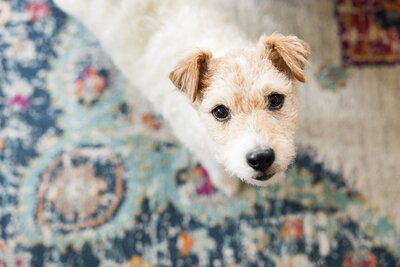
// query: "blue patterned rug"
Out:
[87,179]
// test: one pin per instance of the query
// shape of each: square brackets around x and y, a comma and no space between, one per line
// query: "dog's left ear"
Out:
[288,54]
[191,74]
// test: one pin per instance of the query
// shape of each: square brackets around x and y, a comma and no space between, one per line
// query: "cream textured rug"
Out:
[356,128]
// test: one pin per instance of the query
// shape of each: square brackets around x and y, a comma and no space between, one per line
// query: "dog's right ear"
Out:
[191,75]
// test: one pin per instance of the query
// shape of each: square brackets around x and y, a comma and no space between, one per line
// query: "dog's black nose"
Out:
[260,159]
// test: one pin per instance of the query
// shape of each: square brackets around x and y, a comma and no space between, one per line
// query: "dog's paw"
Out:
[231,189]
[229,186]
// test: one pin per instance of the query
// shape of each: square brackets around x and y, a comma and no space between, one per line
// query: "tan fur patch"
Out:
[192,74]
[289,54]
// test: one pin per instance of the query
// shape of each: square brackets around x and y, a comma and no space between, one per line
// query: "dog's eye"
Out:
[221,113]
[275,101]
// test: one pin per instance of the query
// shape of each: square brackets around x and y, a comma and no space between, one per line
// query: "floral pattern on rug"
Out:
[331,77]
[369,31]
[88,178]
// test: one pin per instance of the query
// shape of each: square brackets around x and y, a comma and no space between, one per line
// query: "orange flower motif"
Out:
[151,121]
[137,261]
[293,228]
[185,243]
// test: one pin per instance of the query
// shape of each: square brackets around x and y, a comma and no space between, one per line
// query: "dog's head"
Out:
[247,100]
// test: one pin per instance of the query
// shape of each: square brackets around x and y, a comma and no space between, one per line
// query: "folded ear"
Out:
[191,74]
[288,54]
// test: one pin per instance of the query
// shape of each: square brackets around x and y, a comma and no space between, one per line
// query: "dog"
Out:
[231,102]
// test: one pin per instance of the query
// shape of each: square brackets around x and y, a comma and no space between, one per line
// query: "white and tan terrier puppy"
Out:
[232,103]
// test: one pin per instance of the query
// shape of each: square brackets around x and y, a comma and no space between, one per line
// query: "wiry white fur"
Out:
[241,145]
[145,39]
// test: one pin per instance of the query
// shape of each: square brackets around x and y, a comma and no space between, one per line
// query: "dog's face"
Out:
[247,100]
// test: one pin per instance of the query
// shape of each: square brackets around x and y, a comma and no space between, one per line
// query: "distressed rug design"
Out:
[87,179]
[369,31]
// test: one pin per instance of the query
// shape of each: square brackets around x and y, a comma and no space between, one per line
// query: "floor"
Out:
[88,179]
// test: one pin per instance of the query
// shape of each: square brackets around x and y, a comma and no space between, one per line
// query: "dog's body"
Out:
[157,35]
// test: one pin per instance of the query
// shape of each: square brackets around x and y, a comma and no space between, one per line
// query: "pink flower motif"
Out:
[360,259]
[19,101]
[13,258]
[38,10]
[206,188]
[90,84]
[21,263]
